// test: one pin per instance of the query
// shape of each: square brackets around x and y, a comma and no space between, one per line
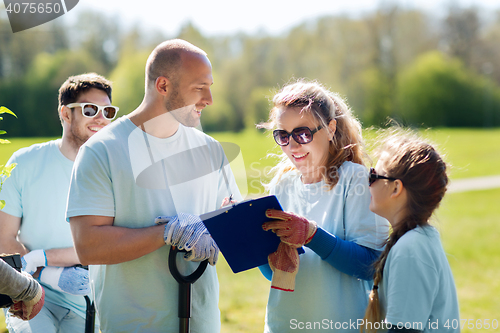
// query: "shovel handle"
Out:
[172,265]
[185,282]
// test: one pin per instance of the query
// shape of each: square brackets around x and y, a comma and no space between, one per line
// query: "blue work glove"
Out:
[32,260]
[71,280]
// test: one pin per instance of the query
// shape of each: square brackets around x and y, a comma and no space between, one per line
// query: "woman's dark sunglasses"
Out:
[373,176]
[302,135]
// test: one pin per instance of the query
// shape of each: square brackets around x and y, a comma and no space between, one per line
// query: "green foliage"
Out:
[5,170]
[440,91]
[53,69]
[378,94]
[259,105]
[219,116]
[128,81]
[35,95]
[384,63]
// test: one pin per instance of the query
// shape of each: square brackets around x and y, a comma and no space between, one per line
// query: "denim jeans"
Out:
[51,319]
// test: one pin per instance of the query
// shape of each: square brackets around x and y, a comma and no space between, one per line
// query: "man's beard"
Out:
[180,111]
[77,138]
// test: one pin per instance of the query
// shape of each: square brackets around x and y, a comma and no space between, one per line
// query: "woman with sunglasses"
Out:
[322,186]
[412,277]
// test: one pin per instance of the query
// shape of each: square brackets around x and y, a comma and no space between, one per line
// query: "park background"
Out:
[434,69]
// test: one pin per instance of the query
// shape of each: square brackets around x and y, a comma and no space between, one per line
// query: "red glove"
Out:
[285,264]
[27,310]
[292,229]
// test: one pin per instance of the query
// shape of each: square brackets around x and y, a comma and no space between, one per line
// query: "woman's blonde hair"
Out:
[423,174]
[325,106]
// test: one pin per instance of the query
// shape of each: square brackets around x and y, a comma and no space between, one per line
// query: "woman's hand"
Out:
[292,229]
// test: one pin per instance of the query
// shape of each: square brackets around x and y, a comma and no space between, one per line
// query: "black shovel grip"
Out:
[172,265]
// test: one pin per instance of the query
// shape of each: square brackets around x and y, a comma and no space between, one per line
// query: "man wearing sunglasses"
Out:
[33,220]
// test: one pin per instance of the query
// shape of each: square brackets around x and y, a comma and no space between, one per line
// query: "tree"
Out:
[41,84]
[440,91]
[220,116]
[461,33]
[259,106]
[100,37]
[128,81]
[18,51]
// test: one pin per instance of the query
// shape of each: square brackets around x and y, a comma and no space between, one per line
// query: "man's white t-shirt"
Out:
[124,173]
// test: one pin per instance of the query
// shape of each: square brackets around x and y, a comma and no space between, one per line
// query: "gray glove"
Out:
[187,232]
[205,248]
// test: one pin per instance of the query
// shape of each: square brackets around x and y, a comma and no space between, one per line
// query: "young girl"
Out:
[322,186]
[413,278]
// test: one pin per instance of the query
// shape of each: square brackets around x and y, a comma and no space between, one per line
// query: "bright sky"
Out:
[215,17]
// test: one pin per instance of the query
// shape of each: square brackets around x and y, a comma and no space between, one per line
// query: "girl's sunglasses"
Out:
[90,110]
[302,135]
[373,176]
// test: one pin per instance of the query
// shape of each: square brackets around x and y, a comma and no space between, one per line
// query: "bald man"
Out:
[152,162]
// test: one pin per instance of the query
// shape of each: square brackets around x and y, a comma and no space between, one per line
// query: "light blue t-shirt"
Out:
[417,289]
[37,192]
[123,172]
[324,298]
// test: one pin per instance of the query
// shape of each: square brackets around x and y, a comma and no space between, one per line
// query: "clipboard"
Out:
[237,230]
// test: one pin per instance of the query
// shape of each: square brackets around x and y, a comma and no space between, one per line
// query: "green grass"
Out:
[469,152]
[467,222]
[469,229]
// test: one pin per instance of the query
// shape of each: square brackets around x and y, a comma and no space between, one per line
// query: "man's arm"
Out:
[63,257]
[9,243]
[99,242]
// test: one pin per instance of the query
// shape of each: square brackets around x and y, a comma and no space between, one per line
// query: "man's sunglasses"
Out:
[302,135]
[373,176]
[90,110]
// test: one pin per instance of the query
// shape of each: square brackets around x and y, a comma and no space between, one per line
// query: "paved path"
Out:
[474,184]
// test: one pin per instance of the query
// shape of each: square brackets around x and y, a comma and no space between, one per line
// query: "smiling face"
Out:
[82,128]
[309,159]
[191,93]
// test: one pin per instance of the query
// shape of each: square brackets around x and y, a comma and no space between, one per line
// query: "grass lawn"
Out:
[469,152]
[468,223]
[469,229]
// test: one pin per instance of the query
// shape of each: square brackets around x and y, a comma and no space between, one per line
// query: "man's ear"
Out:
[162,84]
[398,188]
[66,114]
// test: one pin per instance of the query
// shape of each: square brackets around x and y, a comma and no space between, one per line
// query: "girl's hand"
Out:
[292,229]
